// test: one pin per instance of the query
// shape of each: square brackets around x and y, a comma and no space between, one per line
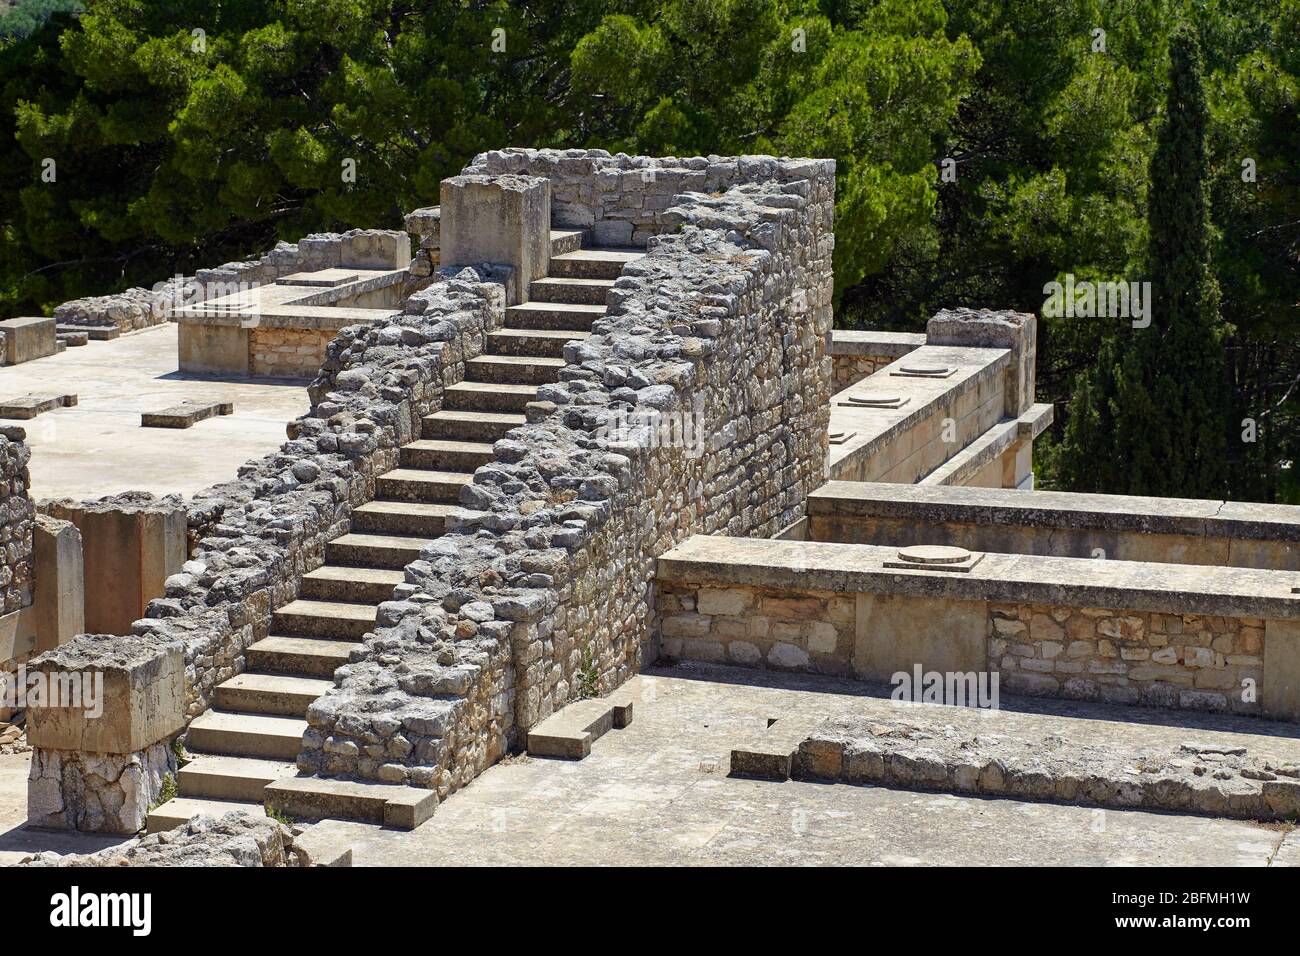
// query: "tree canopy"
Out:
[985,148]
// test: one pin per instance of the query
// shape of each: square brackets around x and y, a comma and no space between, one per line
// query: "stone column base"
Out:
[96,793]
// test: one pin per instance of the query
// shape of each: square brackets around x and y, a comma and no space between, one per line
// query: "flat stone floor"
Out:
[99,448]
[657,793]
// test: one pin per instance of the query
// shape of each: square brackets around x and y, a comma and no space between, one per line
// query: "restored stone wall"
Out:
[17,512]
[1166,660]
[542,594]
[1119,632]
[287,353]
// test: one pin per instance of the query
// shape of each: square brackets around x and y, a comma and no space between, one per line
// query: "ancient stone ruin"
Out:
[598,423]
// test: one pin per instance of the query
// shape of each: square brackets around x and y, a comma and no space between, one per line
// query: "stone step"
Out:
[421,484]
[100,333]
[423,518]
[280,694]
[337,619]
[394,551]
[182,810]
[488,397]
[545,343]
[309,656]
[317,798]
[336,583]
[565,240]
[246,735]
[514,369]
[445,455]
[553,315]
[593,263]
[560,289]
[470,426]
[215,777]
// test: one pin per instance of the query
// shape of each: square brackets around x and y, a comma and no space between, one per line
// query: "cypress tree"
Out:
[1162,391]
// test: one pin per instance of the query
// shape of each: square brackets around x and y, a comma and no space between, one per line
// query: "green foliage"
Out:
[168,791]
[188,133]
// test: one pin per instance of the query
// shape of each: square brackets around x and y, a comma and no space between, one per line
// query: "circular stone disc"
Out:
[933,554]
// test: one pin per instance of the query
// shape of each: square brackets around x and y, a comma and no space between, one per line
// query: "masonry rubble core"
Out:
[479,521]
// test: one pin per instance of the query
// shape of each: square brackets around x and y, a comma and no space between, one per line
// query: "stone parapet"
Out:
[1048,523]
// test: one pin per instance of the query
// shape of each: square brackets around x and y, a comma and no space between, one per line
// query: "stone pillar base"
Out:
[96,793]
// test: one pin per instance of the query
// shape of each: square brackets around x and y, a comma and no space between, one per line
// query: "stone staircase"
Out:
[252,734]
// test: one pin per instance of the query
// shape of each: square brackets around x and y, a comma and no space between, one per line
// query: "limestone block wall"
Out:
[287,353]
[1110,527]
[17,513]
[541,594]
[1128,657]
[858,353]
[624,200]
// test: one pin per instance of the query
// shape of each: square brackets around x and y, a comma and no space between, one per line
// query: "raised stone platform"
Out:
[185,415]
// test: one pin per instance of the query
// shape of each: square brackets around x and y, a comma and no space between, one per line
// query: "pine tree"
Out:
[1163,390]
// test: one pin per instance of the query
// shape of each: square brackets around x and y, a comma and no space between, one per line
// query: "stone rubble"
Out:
[235,839]
[17,514]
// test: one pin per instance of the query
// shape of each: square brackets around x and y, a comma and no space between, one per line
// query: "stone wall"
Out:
[1221,639]
[1165,660]
[542,594]
[139,308]
[857,353]
[17,513]
[287,353]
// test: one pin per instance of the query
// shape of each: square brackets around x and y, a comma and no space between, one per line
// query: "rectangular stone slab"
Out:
[185,415]
[100,333]
[29,406]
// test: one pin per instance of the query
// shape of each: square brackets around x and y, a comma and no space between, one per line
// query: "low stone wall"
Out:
[1121,632]
[17,513]
[541,595]
[139,308]
[1023,760]
[1115,527]
[857,354]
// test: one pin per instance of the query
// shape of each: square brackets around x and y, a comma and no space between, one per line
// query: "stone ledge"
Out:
[1006,506]
[319,798]
[1007,578]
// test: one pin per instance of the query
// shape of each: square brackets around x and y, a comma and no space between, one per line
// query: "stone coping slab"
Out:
[1006,578]
[848,342]
[935,504]
[1044,759]
[876,425]
[186,414]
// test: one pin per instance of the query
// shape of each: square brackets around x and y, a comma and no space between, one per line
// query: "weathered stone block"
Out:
[28,338]
[504,220]
[118,695]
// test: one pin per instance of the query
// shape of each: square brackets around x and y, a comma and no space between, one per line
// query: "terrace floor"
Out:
[657,793]
[98,447]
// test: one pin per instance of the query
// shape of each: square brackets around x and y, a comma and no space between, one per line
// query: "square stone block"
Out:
[28,338]
[504,220]
[137,689]
[897,632]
